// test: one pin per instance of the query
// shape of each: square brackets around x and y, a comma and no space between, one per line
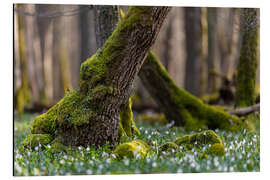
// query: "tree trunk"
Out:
[179,105]
[30,53]
[203,63]
[127,125]
[23,95]
[170,45]
[106,19]
[193,49]
[45,27]
[90,115]
[213,53]
[17,70]
[247,66]
[228,38]
[88,41]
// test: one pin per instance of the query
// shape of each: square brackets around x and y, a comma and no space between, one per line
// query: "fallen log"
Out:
[246,110]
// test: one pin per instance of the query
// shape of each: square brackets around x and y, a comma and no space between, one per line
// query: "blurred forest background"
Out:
[199,47]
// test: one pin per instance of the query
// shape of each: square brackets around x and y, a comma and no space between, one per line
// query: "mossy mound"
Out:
[198,139]
[217,149]
[132,149]
[34,140]
[168,146]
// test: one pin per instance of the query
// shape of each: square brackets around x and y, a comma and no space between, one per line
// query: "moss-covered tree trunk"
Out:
[179,105]
[247,65]
[106,20]
[90,115]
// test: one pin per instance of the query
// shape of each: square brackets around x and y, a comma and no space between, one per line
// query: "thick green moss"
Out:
[126,120]
[133,149]
[74,109]
[33,140]
[122,136]
[168,146]
[217,149]
[94,71]
[198,139]
[203,138]
[58,147]
[45,123]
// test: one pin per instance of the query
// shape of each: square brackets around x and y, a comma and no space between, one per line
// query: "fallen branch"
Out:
[245,111]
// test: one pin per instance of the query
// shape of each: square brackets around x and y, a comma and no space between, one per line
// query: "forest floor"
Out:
[242,154]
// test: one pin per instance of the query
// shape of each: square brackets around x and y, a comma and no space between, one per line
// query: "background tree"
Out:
[213,51]
[247,66]
[194,49]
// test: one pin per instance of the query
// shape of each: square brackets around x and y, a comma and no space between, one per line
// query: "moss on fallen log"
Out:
[179,105]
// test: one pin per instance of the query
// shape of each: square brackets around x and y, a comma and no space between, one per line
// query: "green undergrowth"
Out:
[241,153]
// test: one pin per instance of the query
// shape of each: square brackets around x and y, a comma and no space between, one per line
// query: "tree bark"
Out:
[247,66]
[90,115]
[106,19]
[179,105]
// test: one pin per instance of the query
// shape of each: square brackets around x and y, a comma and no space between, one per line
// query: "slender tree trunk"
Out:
[204,65]
[179,105]
[23,96]
[170,45]
[213,54]
[47,63]
[247,66]
[17,70]
[228,38]
[88,42]
[30,54]
[45,36]
[193,49]
[90,115]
